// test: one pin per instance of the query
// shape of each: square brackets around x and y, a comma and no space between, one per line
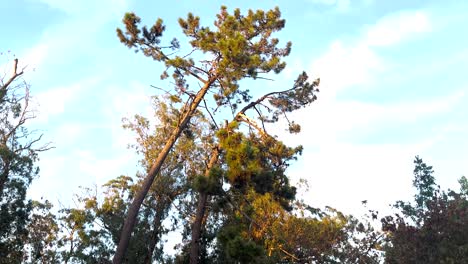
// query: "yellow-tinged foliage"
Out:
[283,232]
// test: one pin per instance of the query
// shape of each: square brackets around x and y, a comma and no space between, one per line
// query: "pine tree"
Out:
[239,47]
[433,229]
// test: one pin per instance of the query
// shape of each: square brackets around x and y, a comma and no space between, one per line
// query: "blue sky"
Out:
[392,86]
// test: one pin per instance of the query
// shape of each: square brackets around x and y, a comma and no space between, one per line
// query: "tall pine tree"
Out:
[238,47]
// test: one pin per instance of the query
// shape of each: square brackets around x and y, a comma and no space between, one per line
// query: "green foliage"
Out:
[18,153]
[173,182]
[301,94]
[259,226]
[212,184]
[43,232]
[242,45]
[81,241]
[463,186]
[434,229]
[258,162]
[236,248]
[237,47]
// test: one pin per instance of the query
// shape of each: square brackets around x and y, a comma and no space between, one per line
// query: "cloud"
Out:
[398,27]
[334,124]
[134,99]
[340,5]
[102,170]
[75,35]
[55,101]
[51,179]
[345,66]
[87,7]
[356,61]
[341,170]
[342,176]
[61,175]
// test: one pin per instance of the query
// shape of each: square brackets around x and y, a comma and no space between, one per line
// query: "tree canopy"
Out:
[433,229]
[239,47]
[211,170]
[19,150]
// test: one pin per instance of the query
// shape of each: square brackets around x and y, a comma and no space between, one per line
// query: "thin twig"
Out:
[15,75]
[261,117]
[208,110]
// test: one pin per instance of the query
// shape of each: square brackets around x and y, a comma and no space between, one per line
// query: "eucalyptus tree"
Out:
[41,243]
[19,150]
[93,227]
[172,185]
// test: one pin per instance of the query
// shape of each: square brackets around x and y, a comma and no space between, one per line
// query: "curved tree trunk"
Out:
[130,221]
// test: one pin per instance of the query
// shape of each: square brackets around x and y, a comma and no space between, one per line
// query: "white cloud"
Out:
[398,27]
[87,7]
[344,66]
[61,175]
[102,170]
[342,176]
[352,63]
[330,123]
[342,172]
[68,50]
[126,103]
[55,101]
[75,35]
[48,184]
[340,5]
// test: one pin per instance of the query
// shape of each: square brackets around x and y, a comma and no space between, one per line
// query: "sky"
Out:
[393,86]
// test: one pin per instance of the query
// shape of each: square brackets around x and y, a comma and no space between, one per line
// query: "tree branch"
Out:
[15,75]
[209,113]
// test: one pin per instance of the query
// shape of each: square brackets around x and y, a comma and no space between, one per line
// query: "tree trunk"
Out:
[4,175]
[197,227]
[3,178]
[148,181]
[203,197]
[201,208]
[154,237]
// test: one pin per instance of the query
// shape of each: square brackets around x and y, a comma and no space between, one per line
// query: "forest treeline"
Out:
[211,170]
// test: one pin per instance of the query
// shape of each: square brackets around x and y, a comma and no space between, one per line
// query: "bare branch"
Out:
[209,112]
[260,117]
[242,117]
[14,76]
[259,77]
[161,89]
[22,118]
[165,58]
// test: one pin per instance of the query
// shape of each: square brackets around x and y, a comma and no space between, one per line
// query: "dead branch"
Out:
[14,76]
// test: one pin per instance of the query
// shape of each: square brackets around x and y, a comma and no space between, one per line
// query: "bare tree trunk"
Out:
[148,181]
[201,208]
[197,227]
[3,178]
[154,237]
